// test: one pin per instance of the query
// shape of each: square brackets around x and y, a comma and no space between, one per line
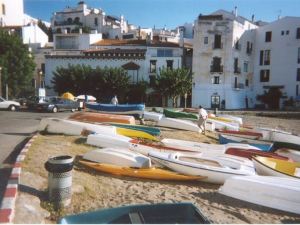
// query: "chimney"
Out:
[235,11]
[252,18]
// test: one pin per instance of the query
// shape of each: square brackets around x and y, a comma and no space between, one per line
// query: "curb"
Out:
[8,203]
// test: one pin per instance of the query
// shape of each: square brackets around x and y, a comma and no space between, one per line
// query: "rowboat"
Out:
[237,119]
[135,134]
[215,169]
[176,114]
[276,167]
[118,157]
[148,173]
[250,153]
[102,118]
[105,141]
[274,192]
[150,130]
[154,116]
[178,124]
[171,213]
[69,127]
[290,153]
[128,109]
[220,125]
[243,134]
[279,145]
[263,145]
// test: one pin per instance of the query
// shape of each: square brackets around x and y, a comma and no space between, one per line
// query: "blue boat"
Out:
[165,213]
[136,110]
[263,145]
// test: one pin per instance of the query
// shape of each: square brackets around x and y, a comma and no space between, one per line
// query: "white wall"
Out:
[14,11]
[34,34]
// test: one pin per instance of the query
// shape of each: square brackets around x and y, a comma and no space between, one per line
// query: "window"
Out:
[282,32]
[152,66]
[298,74]
[236,66]
[164,53]
[216,80]
[298,55]
[3,9]
[264,75]
[216,65]
[298,33]
[170,64]
[267,57]
[237,45]
[245,67]
[69,20]
[261,56]
[77,20]
[297,90]
[205,40]
[96,21]
[249,47]
[247,83]
[287,32]
[268,36]
[217,43]
[235,82]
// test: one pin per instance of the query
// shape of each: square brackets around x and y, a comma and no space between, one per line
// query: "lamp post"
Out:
[40,79]
[0,82]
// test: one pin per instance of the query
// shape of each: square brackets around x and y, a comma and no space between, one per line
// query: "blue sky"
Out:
[171,13]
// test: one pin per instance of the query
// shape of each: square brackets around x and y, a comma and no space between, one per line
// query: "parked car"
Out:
[10,105]
[56,104]
[33,101]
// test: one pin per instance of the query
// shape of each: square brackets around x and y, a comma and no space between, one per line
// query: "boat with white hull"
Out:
[274,192]
[215,169]
[118,157]
[154,116]
[178,124]
[106,141]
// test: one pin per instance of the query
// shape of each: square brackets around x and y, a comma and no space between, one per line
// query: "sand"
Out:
[95,190]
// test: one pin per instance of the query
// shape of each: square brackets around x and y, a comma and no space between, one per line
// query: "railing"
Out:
[216,69]
[217,45]
[237,70]
[67,23]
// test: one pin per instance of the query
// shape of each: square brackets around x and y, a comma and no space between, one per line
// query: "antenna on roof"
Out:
[279,14]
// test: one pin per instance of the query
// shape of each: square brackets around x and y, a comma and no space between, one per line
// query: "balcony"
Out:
[237,70]
[216,69]
[238,86]
[217,45]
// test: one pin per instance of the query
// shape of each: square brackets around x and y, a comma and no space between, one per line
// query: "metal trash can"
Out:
[60,179]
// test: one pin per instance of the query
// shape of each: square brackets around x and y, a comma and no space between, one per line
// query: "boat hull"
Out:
[150,130]
[102,118]
[182,115]
[106,141]
[178,124]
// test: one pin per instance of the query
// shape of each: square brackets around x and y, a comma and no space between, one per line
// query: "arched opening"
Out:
[77,20]
[69,20]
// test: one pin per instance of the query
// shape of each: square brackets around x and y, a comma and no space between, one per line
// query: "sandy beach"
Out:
[94,190]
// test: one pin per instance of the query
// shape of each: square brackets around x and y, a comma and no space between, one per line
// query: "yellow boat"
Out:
[220,119]
[135,134]
[276,167]
[149,173]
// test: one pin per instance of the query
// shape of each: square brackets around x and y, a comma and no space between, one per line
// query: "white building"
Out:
[222,61]
[277,57]
[141,58]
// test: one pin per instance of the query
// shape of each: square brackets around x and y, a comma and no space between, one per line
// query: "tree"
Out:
[17,64]
[271,98]
[47,30]
[174,83]
[137,92]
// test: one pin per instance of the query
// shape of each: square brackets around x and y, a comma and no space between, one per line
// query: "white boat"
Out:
[198,146]
[274,192]
[292,154]
[239,120]
[70,127]
[118,157]
[105,141]
[216,168]
[178,124]
[154,116]
[223,125]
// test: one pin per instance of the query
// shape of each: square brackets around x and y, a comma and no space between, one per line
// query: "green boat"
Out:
[279,145]
[150,130]
[174,114]
[166,213]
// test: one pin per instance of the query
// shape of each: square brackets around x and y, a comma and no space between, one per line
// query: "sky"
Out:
[169,13]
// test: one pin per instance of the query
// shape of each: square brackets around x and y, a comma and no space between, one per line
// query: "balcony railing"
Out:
[238,86]
[237,70]
[217,45]
[216,69]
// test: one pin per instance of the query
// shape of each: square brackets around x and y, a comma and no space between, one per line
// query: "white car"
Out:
[11,105]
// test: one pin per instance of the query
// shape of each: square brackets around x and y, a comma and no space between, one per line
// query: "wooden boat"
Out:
[175,114]
[178,124]
[263,145]
[154,116]
[274,192]
[106,141]
[243,134]
[69,127]
[123,109]
[135,134]
[276,167]
[102,118]
[118,157]
[250,153]
[220,125]
[149,173]
[215,169]
[163,213]
[150,130]
[290,153]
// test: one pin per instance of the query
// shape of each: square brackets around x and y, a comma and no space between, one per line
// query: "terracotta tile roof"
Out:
[116,42]
[130,66]
[115,50]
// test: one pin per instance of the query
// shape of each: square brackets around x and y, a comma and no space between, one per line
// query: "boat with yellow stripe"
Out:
[147,173]
[135,134]
[276,167]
